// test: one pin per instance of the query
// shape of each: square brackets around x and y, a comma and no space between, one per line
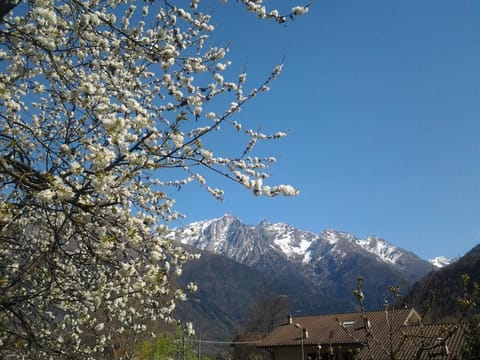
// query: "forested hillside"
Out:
[446,286]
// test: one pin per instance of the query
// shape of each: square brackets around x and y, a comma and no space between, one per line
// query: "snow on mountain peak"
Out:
[333,236]
[201,225]
[440,261]
[377,246]
[228,235]
[330,235]
[373,244]
[195,233]
[290,247]
[289,240]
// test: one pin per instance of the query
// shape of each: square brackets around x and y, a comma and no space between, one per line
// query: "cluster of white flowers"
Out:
[258,7]
[98,98]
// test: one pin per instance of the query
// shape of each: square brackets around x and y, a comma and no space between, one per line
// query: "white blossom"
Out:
[177,139]
[189,329]
[108,106]
[299,10]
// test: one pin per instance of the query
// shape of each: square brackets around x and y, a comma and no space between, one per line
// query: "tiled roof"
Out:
[399,331]
[431,341]
[325,329]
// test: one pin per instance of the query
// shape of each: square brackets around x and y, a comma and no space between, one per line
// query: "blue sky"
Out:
[381,100]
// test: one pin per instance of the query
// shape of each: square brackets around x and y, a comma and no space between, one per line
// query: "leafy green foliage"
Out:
[166,347]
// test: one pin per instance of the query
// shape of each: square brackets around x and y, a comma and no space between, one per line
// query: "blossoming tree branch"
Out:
[105,106]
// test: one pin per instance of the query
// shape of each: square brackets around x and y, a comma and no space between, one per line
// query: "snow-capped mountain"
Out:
[230,237]
[440,261]
[327,263]
[316,273]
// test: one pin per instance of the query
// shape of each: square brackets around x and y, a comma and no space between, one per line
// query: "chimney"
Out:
[305,333]
[289,320]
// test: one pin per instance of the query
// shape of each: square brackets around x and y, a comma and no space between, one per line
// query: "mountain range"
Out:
[229,236]
[317,273]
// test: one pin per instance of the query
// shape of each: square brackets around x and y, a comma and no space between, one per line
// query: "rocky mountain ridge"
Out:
[314,273]
[318,267]
[230,237]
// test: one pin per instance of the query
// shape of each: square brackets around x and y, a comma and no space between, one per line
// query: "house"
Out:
[378,335]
